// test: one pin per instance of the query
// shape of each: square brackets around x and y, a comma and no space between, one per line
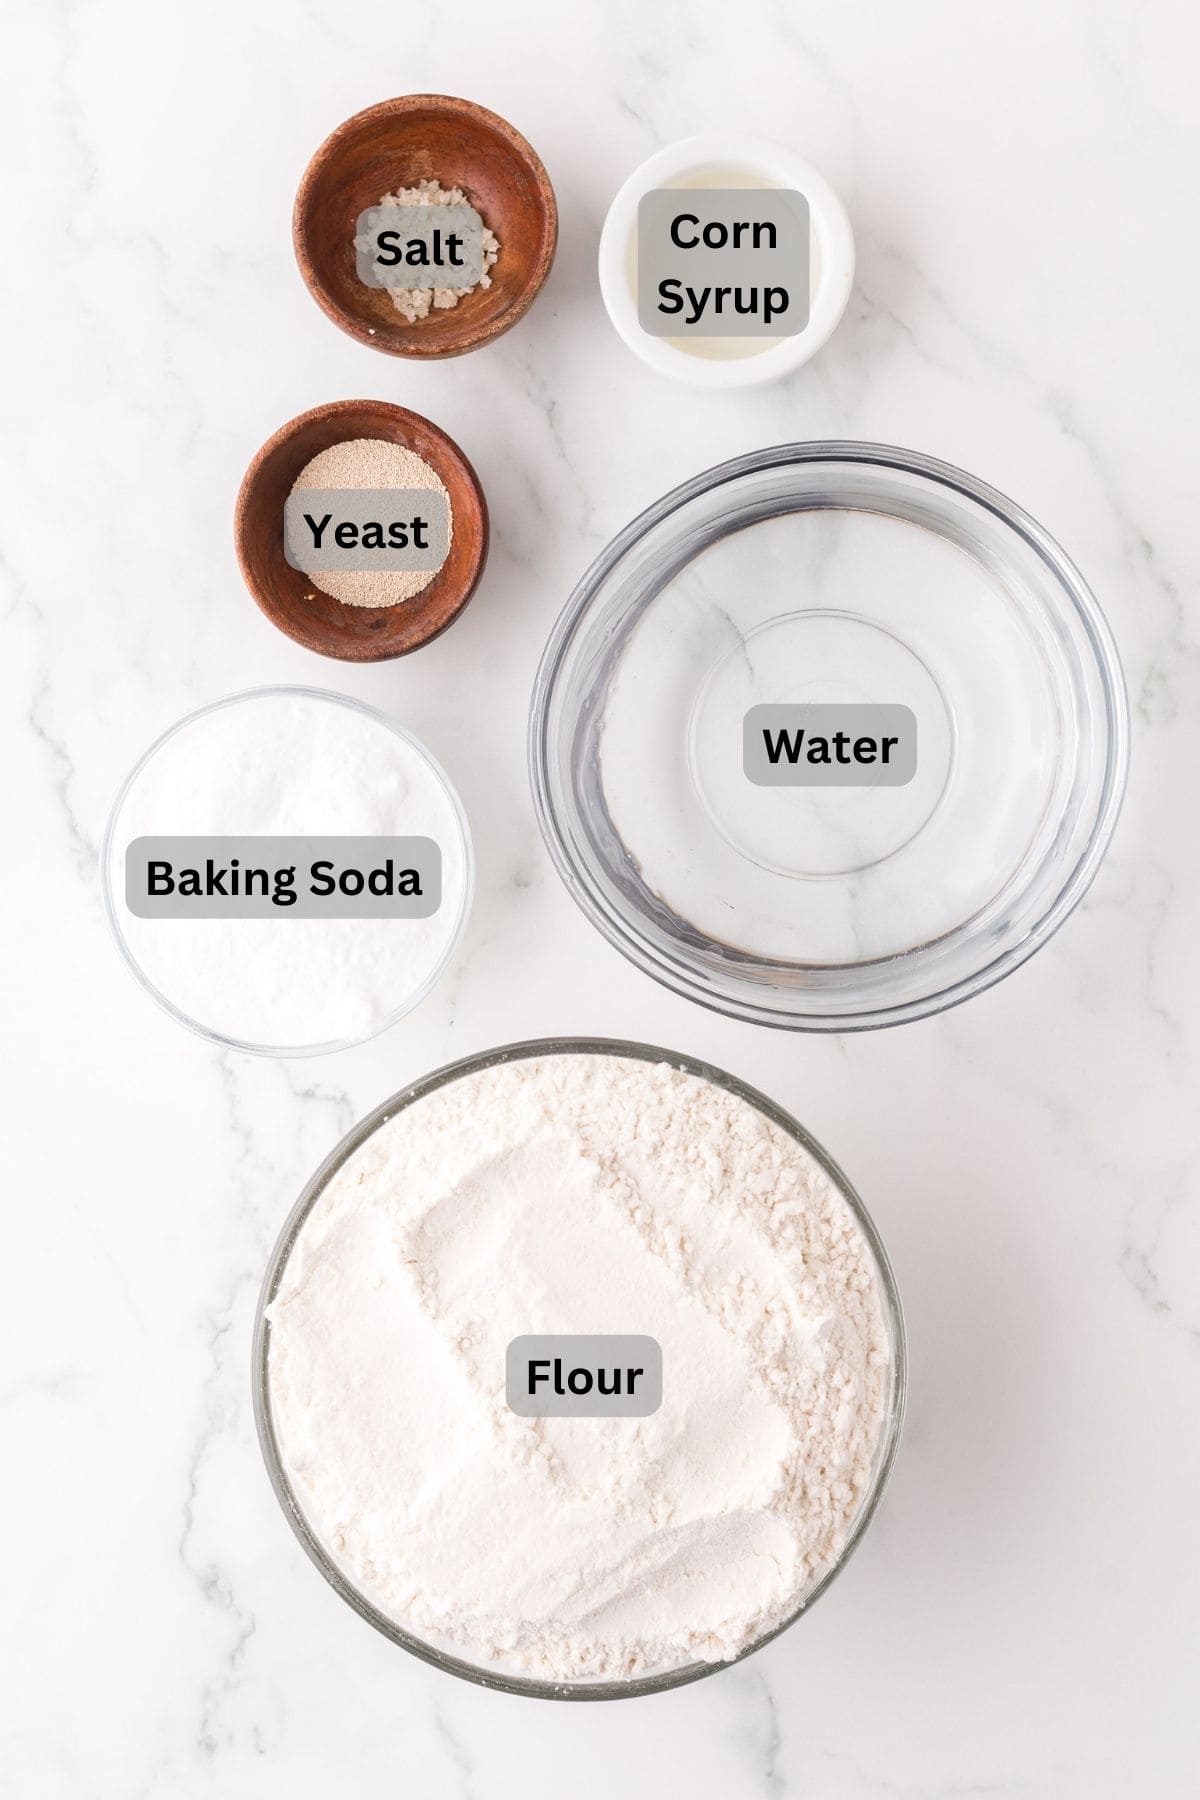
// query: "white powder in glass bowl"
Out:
[581,1193]
[289,762]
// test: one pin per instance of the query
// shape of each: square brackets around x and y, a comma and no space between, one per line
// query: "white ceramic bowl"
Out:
[774,165]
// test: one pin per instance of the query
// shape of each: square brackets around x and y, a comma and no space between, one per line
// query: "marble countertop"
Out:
[1022,1618]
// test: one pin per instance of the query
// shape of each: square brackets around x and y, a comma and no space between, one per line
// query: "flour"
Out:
[290,763]
[580,1194]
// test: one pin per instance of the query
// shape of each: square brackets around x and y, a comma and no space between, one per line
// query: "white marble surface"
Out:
[1022,1619]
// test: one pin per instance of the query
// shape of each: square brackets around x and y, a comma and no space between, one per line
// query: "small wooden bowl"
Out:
[425,137]
[289,597]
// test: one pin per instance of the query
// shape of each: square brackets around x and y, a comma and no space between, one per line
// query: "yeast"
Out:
[371,534]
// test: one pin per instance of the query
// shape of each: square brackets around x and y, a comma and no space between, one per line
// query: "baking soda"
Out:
[290,763]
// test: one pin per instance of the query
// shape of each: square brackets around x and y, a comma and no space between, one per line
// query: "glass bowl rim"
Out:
[480,1676]
[935,474]
[277,690]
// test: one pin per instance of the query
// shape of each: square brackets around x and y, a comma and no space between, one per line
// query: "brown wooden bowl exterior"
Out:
[288,597]
[425,137]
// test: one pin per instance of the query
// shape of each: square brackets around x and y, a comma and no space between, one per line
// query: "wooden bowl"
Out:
[289,597]
[425,137]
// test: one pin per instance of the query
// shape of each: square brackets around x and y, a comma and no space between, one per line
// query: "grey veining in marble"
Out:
[1021,1620]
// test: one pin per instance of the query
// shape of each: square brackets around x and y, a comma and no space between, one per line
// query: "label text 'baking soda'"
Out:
[283,877]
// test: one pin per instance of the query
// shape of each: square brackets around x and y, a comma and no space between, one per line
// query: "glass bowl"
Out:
[889,1436]
[334,821]
[829,574]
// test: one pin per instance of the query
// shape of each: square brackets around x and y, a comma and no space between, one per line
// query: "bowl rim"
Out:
[350,410]
[829,224]
[351,323]
[281,690]
[624,936]
[528,1048]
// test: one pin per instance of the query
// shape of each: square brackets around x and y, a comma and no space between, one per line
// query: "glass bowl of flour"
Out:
[579,1192]
[287,871]
[833,736]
